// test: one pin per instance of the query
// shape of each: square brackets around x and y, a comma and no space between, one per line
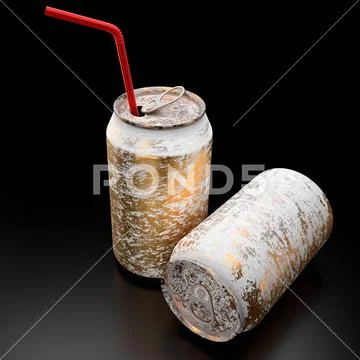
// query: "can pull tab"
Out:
[157,103]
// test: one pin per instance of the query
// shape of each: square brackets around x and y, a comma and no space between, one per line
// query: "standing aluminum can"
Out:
[159,175]
[226,274]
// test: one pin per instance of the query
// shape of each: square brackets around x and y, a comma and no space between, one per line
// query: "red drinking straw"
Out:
[119,41]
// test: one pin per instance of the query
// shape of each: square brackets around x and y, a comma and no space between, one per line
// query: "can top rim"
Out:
[184,111]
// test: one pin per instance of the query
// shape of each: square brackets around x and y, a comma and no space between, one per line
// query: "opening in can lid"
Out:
[184,111]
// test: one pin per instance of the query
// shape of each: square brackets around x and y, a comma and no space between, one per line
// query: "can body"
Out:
[225,275]
[159,175]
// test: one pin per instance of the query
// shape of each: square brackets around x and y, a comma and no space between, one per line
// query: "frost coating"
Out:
[146,228]
[255,245]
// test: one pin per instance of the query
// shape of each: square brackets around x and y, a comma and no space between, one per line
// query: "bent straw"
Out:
[119,41]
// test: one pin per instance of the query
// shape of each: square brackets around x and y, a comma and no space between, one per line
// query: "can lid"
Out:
[177,109]
[200,299]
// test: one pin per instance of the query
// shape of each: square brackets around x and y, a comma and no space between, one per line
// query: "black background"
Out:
[52,228]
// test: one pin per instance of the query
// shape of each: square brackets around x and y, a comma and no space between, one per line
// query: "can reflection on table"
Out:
[159,174]
[226,274]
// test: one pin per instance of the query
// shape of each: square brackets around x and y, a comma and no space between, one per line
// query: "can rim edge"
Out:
[123,98]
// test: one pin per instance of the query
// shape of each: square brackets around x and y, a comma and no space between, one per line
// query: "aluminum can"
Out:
[226,274]
[159,175]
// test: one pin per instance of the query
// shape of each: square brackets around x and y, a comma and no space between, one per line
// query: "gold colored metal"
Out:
[159,179]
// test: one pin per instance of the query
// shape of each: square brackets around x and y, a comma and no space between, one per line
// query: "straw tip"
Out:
[48,10]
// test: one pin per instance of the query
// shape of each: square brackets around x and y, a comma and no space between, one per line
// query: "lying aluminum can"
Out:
[226,274]
[159,175]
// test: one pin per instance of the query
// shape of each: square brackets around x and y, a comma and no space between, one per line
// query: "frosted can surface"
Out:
[226,274]
[159,175]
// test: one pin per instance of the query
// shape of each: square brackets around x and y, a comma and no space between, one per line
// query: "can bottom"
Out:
[200,301]
[145,272]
